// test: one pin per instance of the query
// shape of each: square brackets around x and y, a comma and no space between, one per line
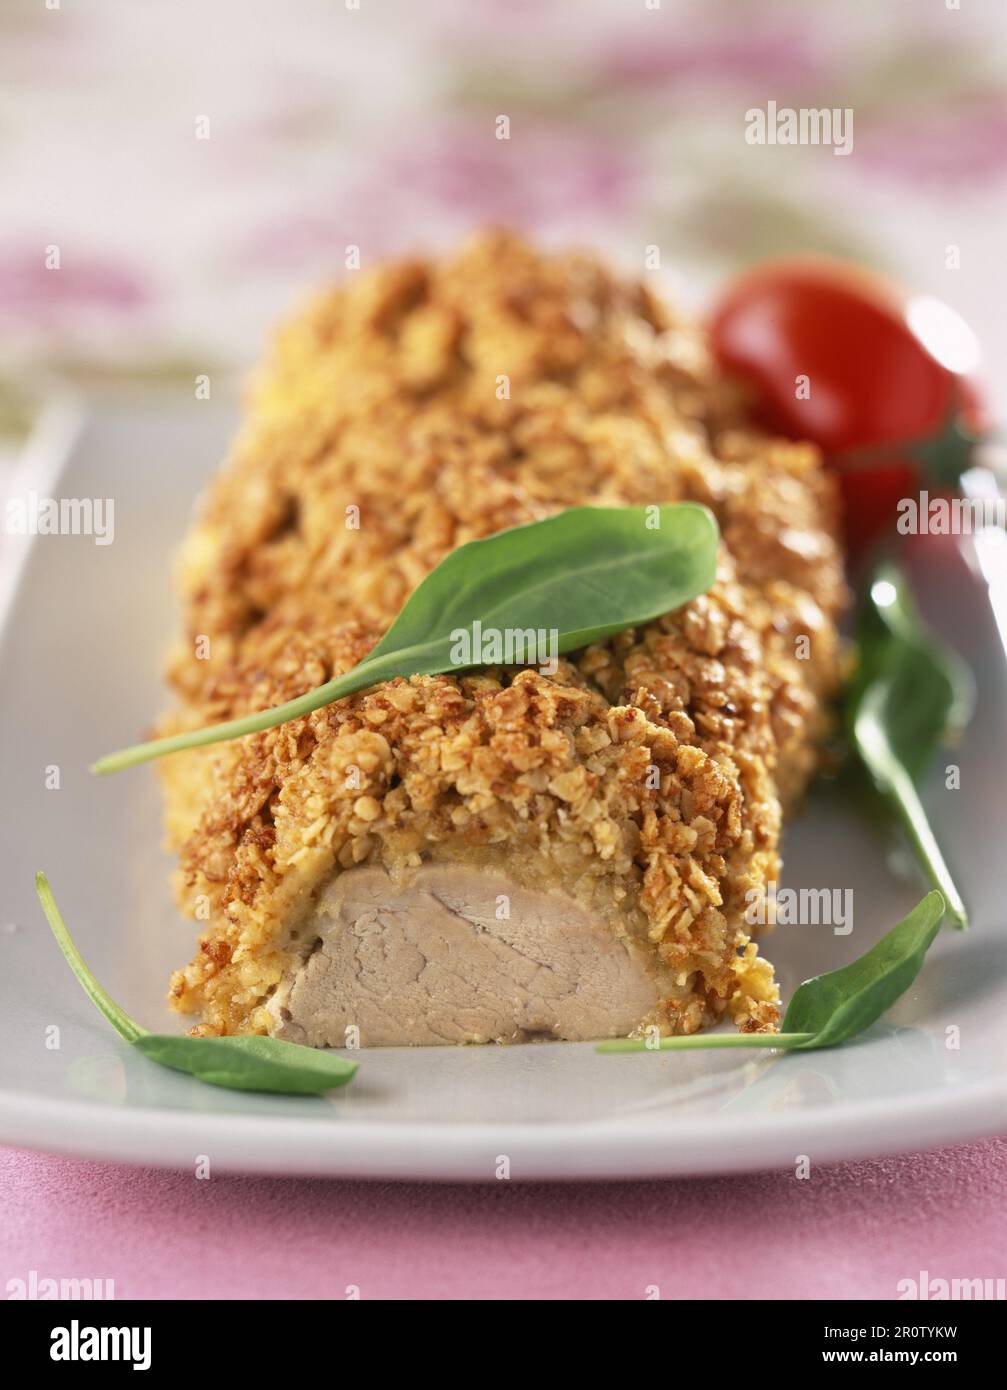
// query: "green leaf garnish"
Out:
[833,1008]
[908,692]
[125,1026]
[837,1006]
[586,574]
[250,1063]
[240,1063]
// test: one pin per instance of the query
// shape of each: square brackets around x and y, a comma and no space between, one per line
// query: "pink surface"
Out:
[849,1231]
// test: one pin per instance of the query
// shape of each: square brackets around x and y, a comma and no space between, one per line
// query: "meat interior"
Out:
[340,866]
[459,953]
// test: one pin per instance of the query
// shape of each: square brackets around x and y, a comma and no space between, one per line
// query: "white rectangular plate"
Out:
[83,642]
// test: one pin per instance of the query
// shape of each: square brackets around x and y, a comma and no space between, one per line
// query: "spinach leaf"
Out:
[830,1009]
[240,1063]
[908,692]
[837,1006]
[249,1063]
[585,574]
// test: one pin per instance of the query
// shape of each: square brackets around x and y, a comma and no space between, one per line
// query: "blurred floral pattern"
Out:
[331,123]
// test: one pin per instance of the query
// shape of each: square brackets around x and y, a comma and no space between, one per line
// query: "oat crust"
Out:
[422,405]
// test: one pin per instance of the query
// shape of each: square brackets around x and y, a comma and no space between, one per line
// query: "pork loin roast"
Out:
[499,855]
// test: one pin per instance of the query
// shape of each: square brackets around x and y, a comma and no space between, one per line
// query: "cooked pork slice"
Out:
[457,953]
[346,866]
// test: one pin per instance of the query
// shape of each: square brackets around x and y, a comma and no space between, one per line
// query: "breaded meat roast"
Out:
[501,855]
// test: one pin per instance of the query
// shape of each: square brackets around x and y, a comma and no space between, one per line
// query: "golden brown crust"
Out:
[390,397]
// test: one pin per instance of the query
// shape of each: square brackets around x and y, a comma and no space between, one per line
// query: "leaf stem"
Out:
[125,1026]
[361,677]
[598,569]
[902,792]
[702,1040]
[895,783]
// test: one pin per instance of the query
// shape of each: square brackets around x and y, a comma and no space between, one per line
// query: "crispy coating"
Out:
[423,405]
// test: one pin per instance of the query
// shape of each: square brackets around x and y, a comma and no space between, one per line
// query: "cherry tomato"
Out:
[879,378]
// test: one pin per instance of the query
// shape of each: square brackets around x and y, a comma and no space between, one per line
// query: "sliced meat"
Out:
[458,954]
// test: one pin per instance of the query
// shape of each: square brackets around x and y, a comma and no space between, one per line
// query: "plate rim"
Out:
[617,1147]
[450,1151]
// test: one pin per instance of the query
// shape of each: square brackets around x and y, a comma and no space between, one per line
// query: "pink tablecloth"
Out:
[849,1231]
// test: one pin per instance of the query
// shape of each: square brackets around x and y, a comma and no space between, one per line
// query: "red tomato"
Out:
[845,358]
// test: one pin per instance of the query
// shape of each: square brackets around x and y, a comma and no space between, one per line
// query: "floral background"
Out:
[332,124]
